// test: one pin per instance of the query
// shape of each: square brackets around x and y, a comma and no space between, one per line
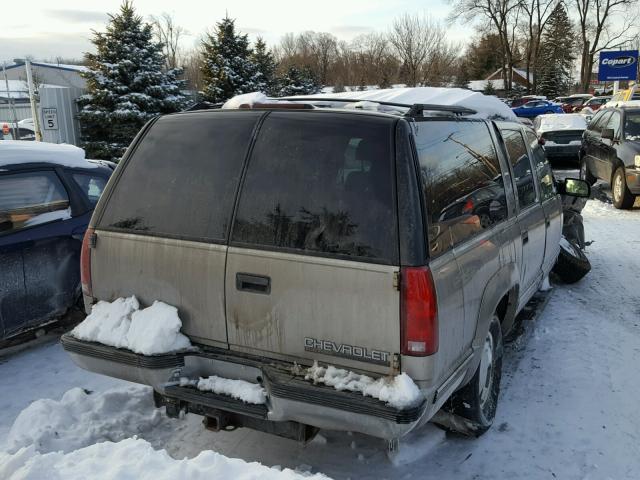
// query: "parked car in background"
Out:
[593,104]
[24,133]
[561,135]
[611,152]
[47,195]
[517,102]
[381,243]
[537,107]
[572,101]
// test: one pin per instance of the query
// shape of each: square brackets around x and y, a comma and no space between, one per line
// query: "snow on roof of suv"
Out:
[485,106]
[14,152]
[560,121]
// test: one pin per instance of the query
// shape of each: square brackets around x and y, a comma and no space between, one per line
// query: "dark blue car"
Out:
[537,107]
[47,195]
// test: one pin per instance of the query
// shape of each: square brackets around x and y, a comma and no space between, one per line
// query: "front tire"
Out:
[622,197]
[477,401]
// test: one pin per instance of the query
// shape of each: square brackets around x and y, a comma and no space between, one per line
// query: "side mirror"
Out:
[574,187]
[607,133]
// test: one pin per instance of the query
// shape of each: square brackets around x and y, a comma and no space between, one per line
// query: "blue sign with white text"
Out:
[618,65]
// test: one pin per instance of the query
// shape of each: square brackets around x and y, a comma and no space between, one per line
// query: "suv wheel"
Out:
[476,402]
[585,174]
[622,197]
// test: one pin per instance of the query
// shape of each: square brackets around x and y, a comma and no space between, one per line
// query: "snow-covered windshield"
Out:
[632,126]
[561,121]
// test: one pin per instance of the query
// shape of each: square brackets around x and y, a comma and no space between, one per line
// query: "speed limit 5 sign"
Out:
[50,118]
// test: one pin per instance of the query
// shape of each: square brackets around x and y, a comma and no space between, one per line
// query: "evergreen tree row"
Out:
[128,82]
[231,67]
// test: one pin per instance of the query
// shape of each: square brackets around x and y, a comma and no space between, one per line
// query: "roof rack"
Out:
[203,105]
[418,109]
[415,110]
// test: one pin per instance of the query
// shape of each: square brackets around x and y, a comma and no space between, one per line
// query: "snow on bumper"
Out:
[289,397]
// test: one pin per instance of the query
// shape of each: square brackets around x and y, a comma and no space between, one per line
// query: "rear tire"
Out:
[477,401]
[585,174]
[572,264]
[622,197]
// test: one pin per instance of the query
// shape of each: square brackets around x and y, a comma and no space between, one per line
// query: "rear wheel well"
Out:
[506,309]
[501,309]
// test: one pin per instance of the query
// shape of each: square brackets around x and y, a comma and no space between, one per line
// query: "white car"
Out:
[561,134]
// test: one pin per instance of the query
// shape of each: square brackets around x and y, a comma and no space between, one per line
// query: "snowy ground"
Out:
[568,405]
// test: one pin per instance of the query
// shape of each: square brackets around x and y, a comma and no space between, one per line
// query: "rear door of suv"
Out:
[163,221]
[467,209]
[531,217]
[313,251]
[551,202]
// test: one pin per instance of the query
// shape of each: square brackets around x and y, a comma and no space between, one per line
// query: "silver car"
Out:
[376,242]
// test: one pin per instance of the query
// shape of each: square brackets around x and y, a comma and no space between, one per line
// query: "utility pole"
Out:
[16,131]
[32,99]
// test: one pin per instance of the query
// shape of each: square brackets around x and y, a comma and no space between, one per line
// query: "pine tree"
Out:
[126,85]
[298,81]
[489,89]
[266,66]
[556,59]
[227,68]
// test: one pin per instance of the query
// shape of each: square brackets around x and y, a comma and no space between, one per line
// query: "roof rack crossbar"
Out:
[415,110]
[343,100]
[418,109]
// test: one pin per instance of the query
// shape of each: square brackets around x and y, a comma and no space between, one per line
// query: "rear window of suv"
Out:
[182,178]
[321,184]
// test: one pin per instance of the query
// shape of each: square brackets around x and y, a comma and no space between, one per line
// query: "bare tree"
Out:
[373,52]
[440,67]
[169,34]
[599,30]
[536,14]
[324,48]
[501,15]
[412,37]
[191,62]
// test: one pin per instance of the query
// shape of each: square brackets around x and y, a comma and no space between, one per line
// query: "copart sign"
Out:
[618,65]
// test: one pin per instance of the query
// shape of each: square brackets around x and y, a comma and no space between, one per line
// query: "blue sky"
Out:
[62,28]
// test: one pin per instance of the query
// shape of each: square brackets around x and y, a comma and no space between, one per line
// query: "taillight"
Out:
[418,312]
[85,261]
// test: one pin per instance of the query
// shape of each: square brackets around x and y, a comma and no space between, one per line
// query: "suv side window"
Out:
[322,184]
[522,174]
[599,123]
[542,167]
[179,184]
[592,124]
[462,180]
[31,198]
[614,124]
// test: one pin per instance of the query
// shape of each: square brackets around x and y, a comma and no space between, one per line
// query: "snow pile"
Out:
[238,389]
[135,459]
[17,151]
[80,419]
[399,392]
[486,106]
[121,323]
[245,99]
[561,121]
